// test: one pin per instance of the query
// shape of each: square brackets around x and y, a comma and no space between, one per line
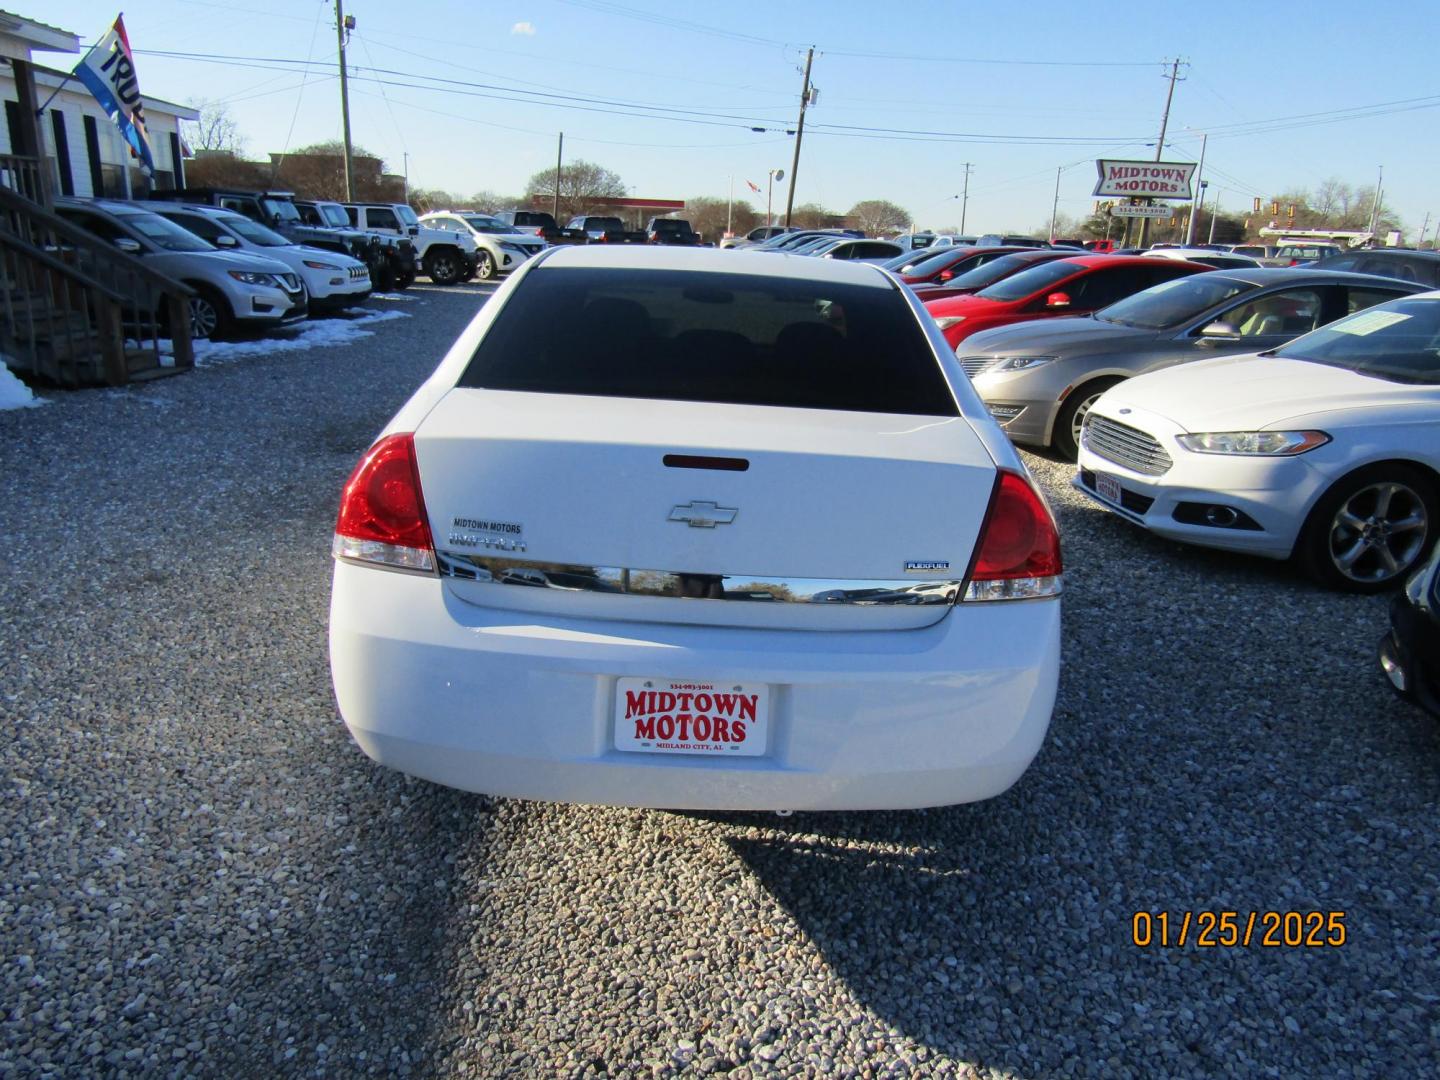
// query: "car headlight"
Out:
[947,321]
[1018,363]
[316,265]
[249,278]
[1253,443]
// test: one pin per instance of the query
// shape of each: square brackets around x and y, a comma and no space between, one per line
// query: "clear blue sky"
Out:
[906,67]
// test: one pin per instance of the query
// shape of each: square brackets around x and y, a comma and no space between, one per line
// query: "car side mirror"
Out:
[125,244]
[1220,330]
[1057,300]
[226,241]
[945,275]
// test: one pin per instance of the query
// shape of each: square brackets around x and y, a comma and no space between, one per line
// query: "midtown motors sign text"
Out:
[1155,179]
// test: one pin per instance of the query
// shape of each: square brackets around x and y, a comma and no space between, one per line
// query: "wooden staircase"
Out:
[75,311]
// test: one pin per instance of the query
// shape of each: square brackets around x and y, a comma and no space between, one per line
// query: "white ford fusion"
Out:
[696,530]
[1327,449]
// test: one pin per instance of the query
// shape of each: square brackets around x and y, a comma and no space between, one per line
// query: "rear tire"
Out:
[1371,529]
[1066,439]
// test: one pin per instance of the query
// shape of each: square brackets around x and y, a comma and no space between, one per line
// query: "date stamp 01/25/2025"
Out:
[1238,929]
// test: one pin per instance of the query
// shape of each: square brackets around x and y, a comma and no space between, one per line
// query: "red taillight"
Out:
[1018,553]
[382,510]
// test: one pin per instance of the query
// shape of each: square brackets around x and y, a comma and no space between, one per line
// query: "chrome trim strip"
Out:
[689,586]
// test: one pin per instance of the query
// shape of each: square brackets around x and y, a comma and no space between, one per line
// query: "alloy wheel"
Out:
[204,317]
[1379,532]
[1077,422]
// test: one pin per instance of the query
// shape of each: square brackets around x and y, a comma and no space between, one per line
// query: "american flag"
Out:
[753,186]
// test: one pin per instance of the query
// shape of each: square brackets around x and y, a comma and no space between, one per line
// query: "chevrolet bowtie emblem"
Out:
[703,515]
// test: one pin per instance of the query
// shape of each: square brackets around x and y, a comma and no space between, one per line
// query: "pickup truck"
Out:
[606,230]
[539,223]
[280,211]
[445,256]
[675,231]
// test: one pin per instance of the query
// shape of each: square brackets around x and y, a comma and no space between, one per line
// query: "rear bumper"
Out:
[513,704]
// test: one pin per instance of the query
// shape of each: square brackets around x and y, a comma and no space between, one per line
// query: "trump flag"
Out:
[108,70]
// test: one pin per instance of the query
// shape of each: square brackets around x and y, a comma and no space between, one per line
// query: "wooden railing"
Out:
[65,288]
[22,176]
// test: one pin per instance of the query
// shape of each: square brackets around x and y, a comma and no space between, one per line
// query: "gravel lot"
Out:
[200,874]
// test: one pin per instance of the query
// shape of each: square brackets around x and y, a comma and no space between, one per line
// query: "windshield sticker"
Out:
[1368,323]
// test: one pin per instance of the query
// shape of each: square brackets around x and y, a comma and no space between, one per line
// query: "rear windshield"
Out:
[997,270]
[1026,282]
[743,339]
[670,225]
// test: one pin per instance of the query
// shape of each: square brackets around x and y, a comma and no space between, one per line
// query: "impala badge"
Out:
[703,515]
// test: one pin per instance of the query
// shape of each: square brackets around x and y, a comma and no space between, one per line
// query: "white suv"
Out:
[231,289]
[445,256]
[334,281]
[502,247]
[682,547]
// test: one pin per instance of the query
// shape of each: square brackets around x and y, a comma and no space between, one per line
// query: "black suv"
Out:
[541,224]
[675,231]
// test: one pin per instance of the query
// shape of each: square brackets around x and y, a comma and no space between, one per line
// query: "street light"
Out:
[774,174]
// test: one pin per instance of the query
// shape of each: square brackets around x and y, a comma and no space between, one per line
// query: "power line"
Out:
[638,110]
[1002,63]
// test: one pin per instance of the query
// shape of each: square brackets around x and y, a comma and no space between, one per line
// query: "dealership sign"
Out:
[1142,211]
[1153,179]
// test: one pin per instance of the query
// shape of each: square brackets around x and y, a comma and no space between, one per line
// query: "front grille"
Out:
[1125,445]
[358,273]
[291,282]
[973,365]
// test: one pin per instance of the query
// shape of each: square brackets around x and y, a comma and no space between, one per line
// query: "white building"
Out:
[83,151]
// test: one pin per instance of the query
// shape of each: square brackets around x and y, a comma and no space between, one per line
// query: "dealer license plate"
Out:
[671,716]
[1108,488]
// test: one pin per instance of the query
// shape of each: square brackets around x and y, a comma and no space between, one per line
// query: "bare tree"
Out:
[584,186]
[878,217]
[708,217]
[215,130]
[812,216]
[318,172]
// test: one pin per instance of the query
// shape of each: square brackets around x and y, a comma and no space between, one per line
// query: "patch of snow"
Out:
[390,296]
[310,334]
[14,394]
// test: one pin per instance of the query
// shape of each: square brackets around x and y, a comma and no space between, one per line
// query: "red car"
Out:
[1075,286]
[976,278]
[951,262]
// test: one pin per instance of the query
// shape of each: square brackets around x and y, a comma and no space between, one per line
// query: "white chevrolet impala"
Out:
[684,529]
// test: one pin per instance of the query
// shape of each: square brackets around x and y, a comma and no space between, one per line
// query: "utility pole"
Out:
[730,210]
[1195,198]
[799,134]
[1424,229]
[559,153]
[1160,146]
[1055,206]
[343,26]
[1214,213]
[1375,206]
[406,155]
[965,198]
